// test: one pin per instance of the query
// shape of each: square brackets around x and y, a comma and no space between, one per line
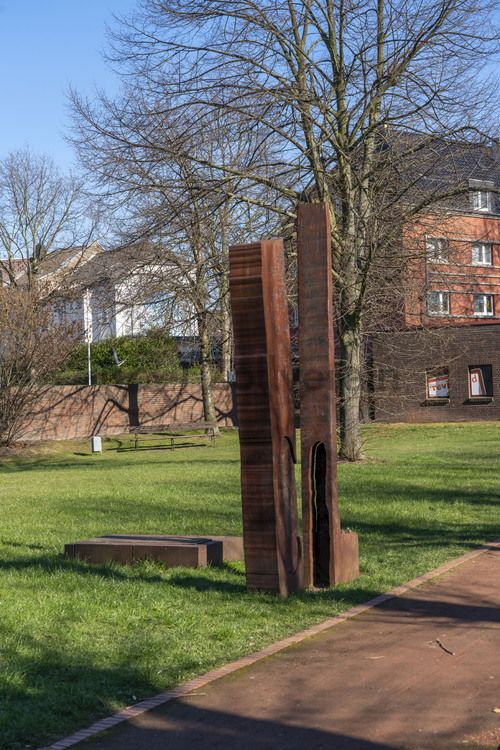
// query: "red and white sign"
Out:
[477,386]
[438,386]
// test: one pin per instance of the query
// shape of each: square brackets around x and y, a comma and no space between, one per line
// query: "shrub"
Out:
[150,358]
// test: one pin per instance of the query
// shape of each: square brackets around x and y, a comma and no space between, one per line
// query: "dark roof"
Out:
[58,259]
[116,266]
[65,259]
[80,267]
[441,169]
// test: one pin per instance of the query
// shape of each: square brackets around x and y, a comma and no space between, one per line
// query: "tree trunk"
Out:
[350,396]
[206,374]
[226,358]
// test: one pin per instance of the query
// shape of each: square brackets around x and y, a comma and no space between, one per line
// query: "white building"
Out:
[121,292]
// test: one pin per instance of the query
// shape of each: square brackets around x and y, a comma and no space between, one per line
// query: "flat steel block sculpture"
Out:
[262,362]
[172,551]
[330,554]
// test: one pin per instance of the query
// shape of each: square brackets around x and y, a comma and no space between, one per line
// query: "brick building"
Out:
[456,272]
[440,375]
[444,362]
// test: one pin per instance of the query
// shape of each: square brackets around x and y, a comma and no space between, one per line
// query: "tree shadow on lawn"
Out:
[379,490]
[102,465]
[144,571]
[210,581]
[23,545]
[377,537]
[394,534]
[161,447]
[203,580]
[60,690]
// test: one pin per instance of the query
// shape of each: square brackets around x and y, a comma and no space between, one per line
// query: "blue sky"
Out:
[46,45]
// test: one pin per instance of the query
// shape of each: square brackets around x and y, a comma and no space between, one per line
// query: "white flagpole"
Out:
[88,331]
[89,360]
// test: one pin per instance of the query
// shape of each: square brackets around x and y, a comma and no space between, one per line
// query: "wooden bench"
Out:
[170,433]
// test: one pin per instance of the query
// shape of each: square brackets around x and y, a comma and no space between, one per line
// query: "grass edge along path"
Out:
[245,661]
[81,642]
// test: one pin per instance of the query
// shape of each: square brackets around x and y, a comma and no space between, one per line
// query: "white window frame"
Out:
[484,312]
[443,297]
[483,249]
[481,200]
[441,374]
[482,368]
[437,250]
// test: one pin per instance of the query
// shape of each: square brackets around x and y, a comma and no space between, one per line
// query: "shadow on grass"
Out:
[205,584]
[100,464]
[59,564]
[441,493]
[164,447]
[394,535]
[205,580]
[22,545]
[60,690]
[144,571]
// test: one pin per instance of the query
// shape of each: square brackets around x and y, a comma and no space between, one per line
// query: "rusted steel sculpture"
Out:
[330,554]
[266,414]
[262,361]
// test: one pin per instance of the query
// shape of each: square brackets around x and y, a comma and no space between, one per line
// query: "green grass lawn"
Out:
[78,642]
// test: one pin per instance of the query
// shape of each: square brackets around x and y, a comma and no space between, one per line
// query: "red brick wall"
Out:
[459,277]
[65,412]
[400,363]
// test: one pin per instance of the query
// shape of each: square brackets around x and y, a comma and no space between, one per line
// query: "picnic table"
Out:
[175,434]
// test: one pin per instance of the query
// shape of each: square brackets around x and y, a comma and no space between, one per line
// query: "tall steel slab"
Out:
[330,554]
[262,362]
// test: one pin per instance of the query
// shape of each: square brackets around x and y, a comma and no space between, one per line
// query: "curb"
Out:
[245,661]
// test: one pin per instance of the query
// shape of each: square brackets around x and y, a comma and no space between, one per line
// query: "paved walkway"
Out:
[418,672]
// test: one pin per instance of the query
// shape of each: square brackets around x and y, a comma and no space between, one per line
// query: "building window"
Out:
[437,249]
[483,305]
[481,254]
[480,381]
[481,200]
[438,383]
[438,303]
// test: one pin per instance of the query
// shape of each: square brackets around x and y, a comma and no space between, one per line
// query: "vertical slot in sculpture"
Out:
[262,363]
[330,554]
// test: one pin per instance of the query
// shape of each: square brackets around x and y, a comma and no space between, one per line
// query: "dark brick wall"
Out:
[66,412]
[400,362]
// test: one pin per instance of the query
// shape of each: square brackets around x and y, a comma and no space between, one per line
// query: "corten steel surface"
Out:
[330,555]
[262,362]
[172,551]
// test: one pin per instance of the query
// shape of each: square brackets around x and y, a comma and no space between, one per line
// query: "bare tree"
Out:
[140,160]
[32,348]
[40,211]
[326,86]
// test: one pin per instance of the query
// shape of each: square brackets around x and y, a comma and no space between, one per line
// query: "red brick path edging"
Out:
[273,648]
